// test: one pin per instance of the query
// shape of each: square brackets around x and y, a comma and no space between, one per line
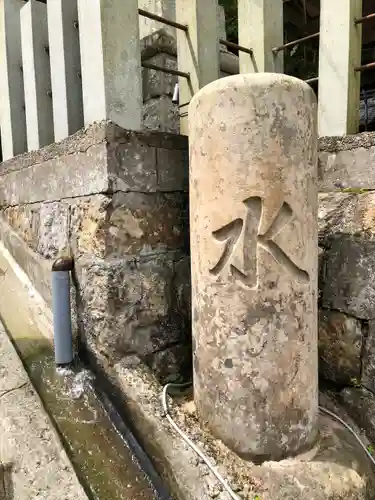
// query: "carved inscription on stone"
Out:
[248,228]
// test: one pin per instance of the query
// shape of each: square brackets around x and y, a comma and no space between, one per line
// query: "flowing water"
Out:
[103,461]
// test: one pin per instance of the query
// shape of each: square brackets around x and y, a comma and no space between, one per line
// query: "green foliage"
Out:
[371,449]
[230,7]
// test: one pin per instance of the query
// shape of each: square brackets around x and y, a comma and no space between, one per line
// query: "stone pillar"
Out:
[111,62]
[339,53]
[198,50]
[36,75]
[12,102]
[65,67]
[253,209]
[261,27]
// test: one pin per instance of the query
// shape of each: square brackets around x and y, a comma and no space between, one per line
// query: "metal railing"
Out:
[71,95]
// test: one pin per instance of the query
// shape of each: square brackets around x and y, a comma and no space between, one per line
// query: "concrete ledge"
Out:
[100,159]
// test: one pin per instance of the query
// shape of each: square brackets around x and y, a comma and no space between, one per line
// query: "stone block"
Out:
[172,169]
[53,238]
[25,221]
[89,226]
[340,347]
[157,83]
[132,165]
[67,176]
[346,233]
[161,114]
[143,224]
[348,169]
[348,276]
[127,309]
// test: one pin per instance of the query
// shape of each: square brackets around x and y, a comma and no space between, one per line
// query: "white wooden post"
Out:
[65,67]
[261,27]
[198,49]
[36,75]
[340,53]
[12,111]
[111,61]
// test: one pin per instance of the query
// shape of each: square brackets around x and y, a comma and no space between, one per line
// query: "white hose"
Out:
[206,460]
[333,415]
[190,442]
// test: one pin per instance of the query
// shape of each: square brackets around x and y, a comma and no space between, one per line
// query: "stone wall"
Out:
[347,272]
[116,201]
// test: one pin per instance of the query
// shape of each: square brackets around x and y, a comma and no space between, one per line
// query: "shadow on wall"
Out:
[6,482]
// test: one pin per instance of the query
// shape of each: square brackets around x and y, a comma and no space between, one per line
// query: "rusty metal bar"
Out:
[312,80]
[235,46]
[365,67]
[295,42]
[166,70]
[163,20]
[363,19]
[183,27]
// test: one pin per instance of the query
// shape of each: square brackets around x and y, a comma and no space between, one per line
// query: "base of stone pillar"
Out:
[338,469]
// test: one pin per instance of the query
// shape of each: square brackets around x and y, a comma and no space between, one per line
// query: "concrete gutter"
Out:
[34,464]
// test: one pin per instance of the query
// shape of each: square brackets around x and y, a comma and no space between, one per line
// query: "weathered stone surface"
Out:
[132,166]
[347,162]
[339,470]
[346,232]
[253,203]
[173,169]
[349,276]
[340,347]
[347,169]
[347,142]
[89,225]
[101,159]
[141,224]
[368,357]
[360,404]
[128,307]
[25,220]
[161,114]
[145,309]
[72,175]
[53,230]
[347,213]
[157,83]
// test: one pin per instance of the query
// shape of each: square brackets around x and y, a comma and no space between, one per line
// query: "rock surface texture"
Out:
[117,201]
[253,196]
[347,273]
